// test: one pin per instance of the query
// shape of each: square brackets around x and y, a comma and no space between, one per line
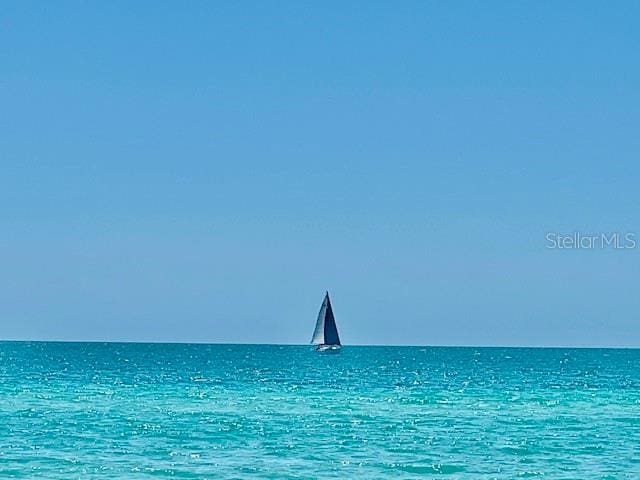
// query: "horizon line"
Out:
[413,345]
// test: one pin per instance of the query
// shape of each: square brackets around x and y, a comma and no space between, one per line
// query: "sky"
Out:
[204,171]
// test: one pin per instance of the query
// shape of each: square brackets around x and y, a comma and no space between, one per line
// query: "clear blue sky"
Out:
[203,171]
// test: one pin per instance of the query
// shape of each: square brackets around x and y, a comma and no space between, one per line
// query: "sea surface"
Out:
[111,411]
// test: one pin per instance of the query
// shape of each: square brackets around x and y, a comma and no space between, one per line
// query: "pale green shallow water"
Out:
[89,410]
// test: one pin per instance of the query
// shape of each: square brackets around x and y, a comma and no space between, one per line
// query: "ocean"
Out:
[118,410]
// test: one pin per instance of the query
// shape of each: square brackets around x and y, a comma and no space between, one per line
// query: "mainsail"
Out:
[326,332]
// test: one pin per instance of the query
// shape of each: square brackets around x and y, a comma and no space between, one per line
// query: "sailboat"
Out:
[325,336]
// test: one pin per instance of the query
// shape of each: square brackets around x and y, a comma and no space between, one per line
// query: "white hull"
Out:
[328,348]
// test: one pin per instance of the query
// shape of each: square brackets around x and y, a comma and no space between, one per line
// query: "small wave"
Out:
[436,468]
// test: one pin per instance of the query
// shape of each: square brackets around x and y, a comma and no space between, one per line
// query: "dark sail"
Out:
[326,332]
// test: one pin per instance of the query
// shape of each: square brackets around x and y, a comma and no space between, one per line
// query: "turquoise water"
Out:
[90,410]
